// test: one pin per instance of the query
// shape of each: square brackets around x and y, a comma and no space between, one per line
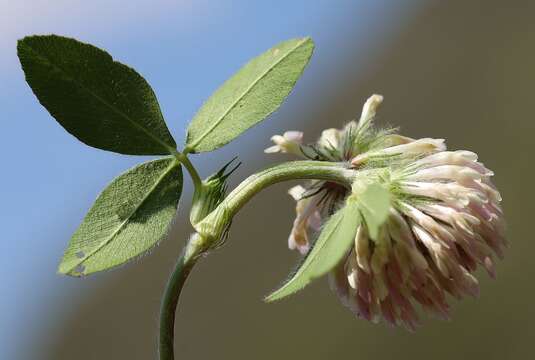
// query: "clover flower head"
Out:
[444,221]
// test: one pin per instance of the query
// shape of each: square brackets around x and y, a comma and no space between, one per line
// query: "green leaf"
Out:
[333,243]
[249,96]
[128,218]
[374,203]
[103,103]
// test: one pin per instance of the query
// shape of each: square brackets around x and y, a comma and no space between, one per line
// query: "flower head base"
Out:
[444,220]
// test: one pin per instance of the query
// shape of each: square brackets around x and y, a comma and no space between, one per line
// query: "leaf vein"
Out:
[239,98]
[90,92]
[121,226]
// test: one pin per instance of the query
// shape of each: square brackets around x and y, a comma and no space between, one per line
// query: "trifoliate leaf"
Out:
[249,96]
[333,243]
[128,218]
[374,203]
[103,103]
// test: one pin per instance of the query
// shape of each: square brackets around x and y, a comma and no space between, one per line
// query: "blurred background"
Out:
[460,70]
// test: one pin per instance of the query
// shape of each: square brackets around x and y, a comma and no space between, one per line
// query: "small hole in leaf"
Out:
[80,254]
[79,270]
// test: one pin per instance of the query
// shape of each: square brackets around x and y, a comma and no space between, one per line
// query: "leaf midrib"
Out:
[90,92]
[233,105]
[106,241]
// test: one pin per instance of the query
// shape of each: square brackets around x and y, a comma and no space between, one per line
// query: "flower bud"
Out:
[289,142]
[369,109]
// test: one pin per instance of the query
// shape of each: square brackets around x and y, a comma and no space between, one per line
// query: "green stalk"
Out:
[214,224]
[184,160]
[176,282]
[210,229]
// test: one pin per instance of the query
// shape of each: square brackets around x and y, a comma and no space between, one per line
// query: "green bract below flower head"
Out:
[442,220]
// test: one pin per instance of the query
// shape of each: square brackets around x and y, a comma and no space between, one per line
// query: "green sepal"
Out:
[374,204]
[332,245]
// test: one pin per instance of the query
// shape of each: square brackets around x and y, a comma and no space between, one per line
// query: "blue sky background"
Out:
[185,49]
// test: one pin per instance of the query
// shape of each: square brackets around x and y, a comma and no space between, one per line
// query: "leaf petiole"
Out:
[182,158]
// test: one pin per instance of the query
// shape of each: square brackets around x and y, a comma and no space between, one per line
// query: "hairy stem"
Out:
[210,229]
[214,224]
[183,267]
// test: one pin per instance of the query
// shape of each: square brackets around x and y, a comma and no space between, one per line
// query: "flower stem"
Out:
[183,267]
[214,224]
[210,229]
